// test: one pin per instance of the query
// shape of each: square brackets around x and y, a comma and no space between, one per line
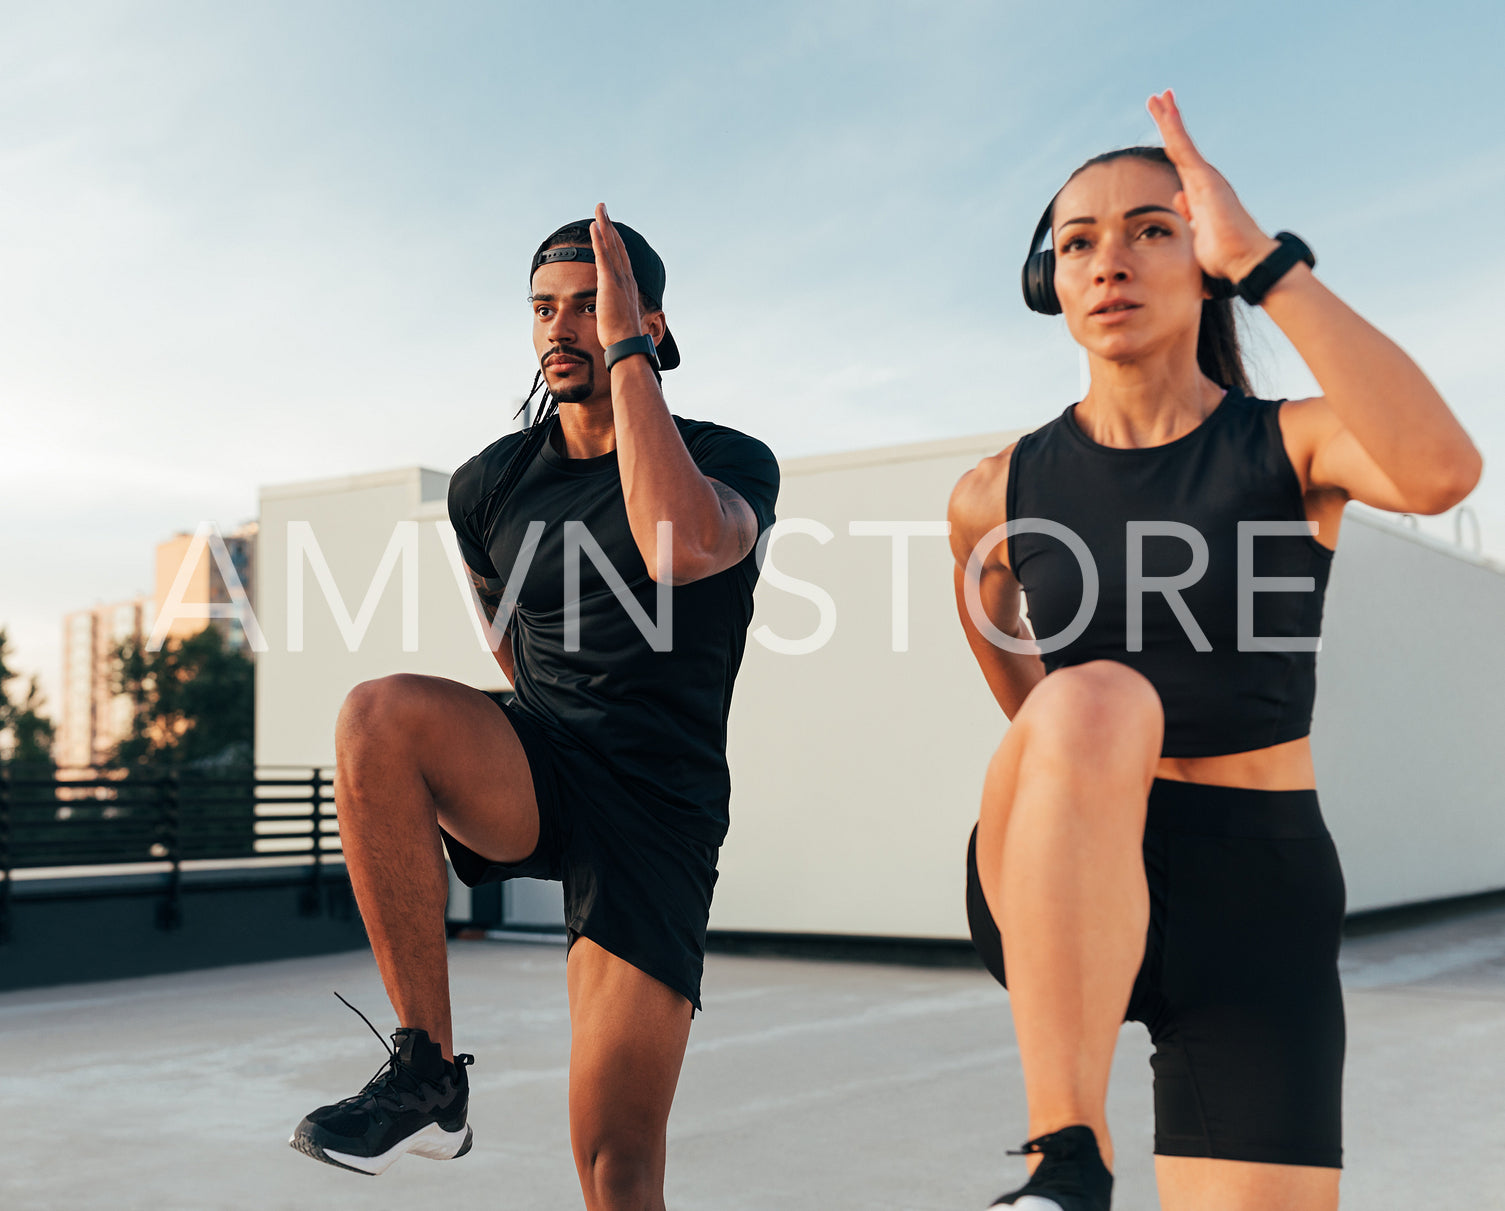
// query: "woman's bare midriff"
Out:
[1281,767]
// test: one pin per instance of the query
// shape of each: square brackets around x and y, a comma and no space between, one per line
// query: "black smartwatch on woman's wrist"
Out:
[1253,287]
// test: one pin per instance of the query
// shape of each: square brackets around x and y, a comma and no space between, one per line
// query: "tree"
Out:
[25,734]
[193,703]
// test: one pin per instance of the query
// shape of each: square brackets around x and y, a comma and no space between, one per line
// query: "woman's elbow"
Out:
[1474,471]
[1452,486]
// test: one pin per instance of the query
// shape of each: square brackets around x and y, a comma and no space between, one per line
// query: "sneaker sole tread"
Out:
[431,1142]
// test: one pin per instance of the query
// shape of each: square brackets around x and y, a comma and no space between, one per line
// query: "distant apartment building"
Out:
[94,717]
[207,582]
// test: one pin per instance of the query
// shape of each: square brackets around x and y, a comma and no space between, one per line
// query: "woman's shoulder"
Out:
[1298,420]
[979,501]
[984,489]
[988,478]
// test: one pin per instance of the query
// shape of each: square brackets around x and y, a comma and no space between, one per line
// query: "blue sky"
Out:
[248,244]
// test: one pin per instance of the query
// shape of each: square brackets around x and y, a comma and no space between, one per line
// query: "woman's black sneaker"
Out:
[1071,1177]
[416,1103]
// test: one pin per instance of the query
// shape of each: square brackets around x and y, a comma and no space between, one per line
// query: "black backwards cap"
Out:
[647,268]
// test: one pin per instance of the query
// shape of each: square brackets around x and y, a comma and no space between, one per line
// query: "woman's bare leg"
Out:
[1193,1183]
[1059,856]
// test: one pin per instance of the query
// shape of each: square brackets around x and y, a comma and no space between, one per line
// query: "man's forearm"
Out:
[503,654]
[660,480]
[488,597]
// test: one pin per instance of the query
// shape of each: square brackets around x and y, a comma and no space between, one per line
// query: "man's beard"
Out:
[575,392]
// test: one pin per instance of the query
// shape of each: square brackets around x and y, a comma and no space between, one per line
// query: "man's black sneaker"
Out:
[1071,1177]
[416,1103]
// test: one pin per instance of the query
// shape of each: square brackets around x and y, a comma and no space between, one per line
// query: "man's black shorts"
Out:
[1239,984]
[633,884]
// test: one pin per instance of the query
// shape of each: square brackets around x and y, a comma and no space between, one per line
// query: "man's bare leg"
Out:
[411,751]
[628,1036]
[1060,861]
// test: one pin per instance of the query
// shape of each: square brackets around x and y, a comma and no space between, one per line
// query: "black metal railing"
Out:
[75,822]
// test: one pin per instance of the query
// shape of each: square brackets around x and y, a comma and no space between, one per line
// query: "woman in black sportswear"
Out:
[1149,845]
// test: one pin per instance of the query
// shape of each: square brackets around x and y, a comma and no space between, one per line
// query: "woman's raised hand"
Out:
[1228,243]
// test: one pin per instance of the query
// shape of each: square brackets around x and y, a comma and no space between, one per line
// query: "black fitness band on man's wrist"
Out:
[1258,281]
[633,344]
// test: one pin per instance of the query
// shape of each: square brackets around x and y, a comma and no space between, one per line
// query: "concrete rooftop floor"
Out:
[808,1085]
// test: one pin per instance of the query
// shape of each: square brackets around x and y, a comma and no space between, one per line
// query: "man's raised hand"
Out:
[619,315]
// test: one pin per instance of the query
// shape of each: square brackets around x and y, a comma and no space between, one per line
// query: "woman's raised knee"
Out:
[1100,708]
[1101,692]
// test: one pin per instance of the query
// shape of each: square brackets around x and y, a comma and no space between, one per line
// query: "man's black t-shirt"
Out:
[655,718]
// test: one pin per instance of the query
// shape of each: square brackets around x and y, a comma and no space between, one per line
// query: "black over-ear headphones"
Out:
[1039,275]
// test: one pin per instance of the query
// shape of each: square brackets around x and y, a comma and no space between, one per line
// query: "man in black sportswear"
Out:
[611,551]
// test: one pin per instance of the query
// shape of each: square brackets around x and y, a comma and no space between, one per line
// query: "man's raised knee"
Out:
[380,710]
[378,704]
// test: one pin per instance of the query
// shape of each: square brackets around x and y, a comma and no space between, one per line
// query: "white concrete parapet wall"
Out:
[354,521]
[1409,729]
[856,769]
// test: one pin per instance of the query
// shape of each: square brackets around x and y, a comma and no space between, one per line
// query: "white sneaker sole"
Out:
[433,1142]
[1033,1202]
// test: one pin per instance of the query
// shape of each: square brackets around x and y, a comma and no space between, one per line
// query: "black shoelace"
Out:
[385,1087]
[1052,1176]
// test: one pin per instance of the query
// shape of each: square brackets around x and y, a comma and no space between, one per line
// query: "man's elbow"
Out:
[690,555]
[684,565]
